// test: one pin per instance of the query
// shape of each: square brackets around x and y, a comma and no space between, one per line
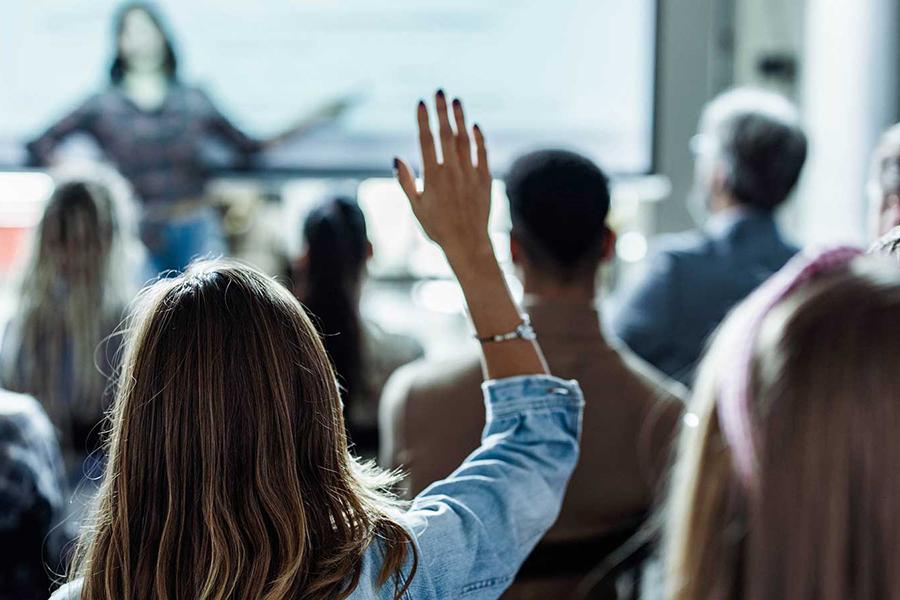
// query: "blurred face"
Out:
[141,43]
[884,192]
[704,147]
[886,213]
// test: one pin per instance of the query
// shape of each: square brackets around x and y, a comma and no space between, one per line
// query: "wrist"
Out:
[472,257]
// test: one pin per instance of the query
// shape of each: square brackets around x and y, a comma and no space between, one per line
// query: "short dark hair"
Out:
[118,68]
[760,144]
[558,202]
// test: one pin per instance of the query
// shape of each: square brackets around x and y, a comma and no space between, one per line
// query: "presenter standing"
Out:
[152,127]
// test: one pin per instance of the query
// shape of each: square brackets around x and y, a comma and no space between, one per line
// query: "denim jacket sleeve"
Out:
[475,528]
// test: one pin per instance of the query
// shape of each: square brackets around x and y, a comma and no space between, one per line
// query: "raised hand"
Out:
[454,206]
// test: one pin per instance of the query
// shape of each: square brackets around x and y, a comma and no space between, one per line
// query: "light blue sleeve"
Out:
[475,528]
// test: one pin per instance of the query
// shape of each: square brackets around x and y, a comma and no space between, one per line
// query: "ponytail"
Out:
[337,249]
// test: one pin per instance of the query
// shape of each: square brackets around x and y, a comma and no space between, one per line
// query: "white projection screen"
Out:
[562,73]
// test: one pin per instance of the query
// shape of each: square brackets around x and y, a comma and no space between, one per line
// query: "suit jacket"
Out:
[692,282]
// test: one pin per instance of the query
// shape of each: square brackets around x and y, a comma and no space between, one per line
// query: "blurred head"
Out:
[228,472]
[558,203]
[74,291]
[329,282]
[888,245]
[787,487]
[750,150]
[31,498]
[884,184]
[142,42]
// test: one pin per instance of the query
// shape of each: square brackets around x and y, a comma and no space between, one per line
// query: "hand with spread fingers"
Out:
[454,206]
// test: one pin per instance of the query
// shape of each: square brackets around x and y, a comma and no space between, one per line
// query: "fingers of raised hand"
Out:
[426,140]
[456,144]
[448,137]
[463,144]
[406,179]
[484,171]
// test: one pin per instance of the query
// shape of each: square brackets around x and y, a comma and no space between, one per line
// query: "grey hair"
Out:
[760,145]
[884,175]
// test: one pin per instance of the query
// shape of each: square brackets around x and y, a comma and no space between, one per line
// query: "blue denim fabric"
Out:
[173,243]
[474,529]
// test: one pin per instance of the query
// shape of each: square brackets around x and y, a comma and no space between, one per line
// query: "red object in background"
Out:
[23,195]
[13,245]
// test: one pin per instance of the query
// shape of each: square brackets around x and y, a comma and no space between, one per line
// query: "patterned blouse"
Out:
[161,152]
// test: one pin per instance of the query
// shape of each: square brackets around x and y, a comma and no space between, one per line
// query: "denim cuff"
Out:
[512,395]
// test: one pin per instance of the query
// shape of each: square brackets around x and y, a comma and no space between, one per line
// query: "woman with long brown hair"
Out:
[786,487]
[229,474]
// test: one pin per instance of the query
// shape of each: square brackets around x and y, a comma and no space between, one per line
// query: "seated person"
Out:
[229,472]
[431,412]
[77,283]
[888,244]
[785,488]
[329,279]
[32,500]
[750,151]
[884,184]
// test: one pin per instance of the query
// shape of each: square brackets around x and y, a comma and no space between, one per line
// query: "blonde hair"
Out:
[228,472]
[75,288]
[815,513]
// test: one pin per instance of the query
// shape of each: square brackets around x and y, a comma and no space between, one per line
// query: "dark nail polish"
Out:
[440,93]
[457,103]
[421,104]
[396,164]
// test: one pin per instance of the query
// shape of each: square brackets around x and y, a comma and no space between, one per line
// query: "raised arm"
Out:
[325,114]
[475,528]
[453,209]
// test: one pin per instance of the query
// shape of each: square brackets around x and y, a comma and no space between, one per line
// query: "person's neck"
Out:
[723,203]
[147,88]
[542,287]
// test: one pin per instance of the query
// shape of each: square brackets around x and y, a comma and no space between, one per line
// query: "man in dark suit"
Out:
[750,150]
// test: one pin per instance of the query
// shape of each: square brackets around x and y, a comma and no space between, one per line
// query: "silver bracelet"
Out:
[523,332]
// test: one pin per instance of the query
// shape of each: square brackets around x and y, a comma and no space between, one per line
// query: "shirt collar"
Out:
[724,222]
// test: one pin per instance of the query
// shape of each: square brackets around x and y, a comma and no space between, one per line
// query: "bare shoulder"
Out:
[665,389]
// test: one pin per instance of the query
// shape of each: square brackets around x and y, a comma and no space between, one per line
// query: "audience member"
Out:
[750,151]
[229,474]
[59,346]
[31,499]
[884,183]
[888,244]
[330,278]
[432,416]
[785,489]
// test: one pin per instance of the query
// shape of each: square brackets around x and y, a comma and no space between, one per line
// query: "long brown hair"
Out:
[812,512]
[228,473]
